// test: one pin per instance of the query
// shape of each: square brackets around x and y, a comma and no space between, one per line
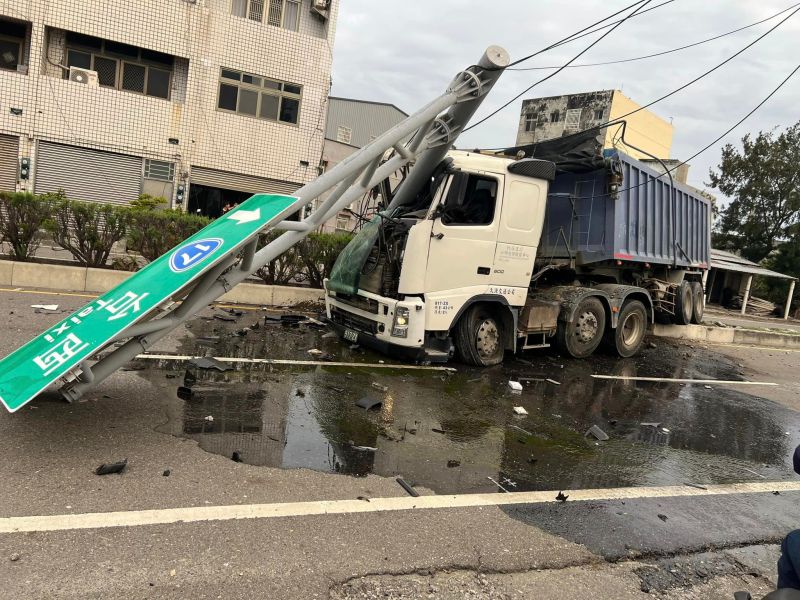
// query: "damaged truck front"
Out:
[490,254]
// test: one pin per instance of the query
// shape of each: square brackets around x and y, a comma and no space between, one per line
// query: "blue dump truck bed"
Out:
[624,210]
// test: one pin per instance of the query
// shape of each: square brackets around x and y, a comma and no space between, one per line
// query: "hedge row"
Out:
[89,230]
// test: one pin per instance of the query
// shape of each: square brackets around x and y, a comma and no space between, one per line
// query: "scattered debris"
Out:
[754,473]
[166,473]
[236,456]
[209,418]
[171,375]
[498,485]
[363,448]
[241,332]
[674,380]
[189,379]
[663,518]
[293,318]
[708,387]
[208,339]
[776,493]
[598,433]
[49,307]
[368,403]
[380,387]
[553,381]
[226,318]
[437,430]
[656,425]
[613,422]
[364,498]
[210,363]
[452,464]
[562,497]
[109,468]
[300,393]
[532,460]
[515,386]
[14,557]
[652,345]
[519,410]
[407,487]
[329,335]
[185,393]
[509,482]
[525,431]
[315,352]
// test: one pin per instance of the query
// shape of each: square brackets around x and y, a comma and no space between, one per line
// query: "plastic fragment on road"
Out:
[109,468]
[407,487]
[209,363]
[519,410]
[368,403]
[515,386]
[598,433]
[45,306]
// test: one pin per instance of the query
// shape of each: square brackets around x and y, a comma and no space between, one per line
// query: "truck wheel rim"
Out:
[586,327]
[488,338]
[632,329]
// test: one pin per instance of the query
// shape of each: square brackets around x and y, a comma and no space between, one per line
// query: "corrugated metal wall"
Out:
[86,174]
[365,119]
[241,183]
[9,155]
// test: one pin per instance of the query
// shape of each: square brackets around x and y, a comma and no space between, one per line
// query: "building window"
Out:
[344,134]
[279,13]
[573,119]
[121,66]
[12,41]
[530,121]
[159,170]
[259,97]
[343,223]
[598,114]
[555,116]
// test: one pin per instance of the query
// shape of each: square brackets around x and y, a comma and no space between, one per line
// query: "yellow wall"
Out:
[645,129]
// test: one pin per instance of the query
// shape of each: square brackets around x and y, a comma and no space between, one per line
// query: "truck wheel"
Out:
[697,302]
[683,304]
[479,337]
[627,339]
[581,336]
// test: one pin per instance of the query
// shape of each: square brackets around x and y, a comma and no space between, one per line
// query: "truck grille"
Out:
[351,321]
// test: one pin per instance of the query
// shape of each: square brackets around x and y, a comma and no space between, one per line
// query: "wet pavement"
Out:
[451,432]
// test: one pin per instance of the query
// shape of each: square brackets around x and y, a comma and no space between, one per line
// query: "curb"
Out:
[727,335]
[83,279]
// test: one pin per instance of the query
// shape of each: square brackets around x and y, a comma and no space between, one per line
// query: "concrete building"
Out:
[556,116]
[352,124]
[200,101]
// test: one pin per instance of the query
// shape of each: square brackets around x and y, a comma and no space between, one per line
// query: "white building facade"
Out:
[203,102]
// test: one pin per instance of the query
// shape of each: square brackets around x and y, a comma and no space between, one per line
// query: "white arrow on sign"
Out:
[245,216]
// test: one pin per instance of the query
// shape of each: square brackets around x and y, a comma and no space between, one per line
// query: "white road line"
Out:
[344,507]
[276,361]
[671,380]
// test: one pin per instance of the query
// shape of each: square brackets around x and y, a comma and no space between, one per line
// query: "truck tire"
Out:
[627,339]
[479,337]
[683,304]
[583,333]
[698,306]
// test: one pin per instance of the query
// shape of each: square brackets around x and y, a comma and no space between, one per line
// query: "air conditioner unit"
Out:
[84,76]
[321,7]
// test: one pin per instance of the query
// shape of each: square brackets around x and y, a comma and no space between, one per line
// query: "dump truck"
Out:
[492,254]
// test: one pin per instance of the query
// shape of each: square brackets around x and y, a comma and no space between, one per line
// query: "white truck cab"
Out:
[450,272]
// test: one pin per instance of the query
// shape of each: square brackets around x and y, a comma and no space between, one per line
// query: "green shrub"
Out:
[318,252]
[22,216]
[153,233]
[148,202]
[88,230]
[284,269]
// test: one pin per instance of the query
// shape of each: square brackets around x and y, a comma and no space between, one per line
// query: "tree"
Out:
[763,178]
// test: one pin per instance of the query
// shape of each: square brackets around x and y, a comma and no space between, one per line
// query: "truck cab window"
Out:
[470,200]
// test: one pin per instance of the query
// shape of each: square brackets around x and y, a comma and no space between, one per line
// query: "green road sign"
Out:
[40,362]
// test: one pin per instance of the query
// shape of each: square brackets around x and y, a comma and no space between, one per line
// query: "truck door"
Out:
[464,233]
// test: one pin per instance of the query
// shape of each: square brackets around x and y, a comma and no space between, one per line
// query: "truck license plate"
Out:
[350,335]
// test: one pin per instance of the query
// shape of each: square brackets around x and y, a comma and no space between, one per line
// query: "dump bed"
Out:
[625,211]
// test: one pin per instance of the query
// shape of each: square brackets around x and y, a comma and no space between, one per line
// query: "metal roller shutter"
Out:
[9,154]
[241,183]
[86,174]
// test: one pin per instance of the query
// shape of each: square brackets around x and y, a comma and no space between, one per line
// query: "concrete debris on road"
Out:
[598,433]
[110,468]
[225,317]
[380,387]
[316,352]
[452,464]
[368,403]
[209,418]
[210,363]
[14,557]
[663,518]
[166,473]
[515,386]
[519,410]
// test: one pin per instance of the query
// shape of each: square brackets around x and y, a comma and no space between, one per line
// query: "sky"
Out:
[406,53]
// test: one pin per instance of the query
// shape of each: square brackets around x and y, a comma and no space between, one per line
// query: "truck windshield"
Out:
[346,271]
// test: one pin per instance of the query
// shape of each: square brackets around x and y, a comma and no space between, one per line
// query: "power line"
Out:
[574,58]
[627,60]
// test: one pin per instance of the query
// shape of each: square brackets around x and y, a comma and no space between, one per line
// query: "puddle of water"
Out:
[451,433]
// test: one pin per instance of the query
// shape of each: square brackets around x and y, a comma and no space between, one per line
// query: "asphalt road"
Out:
[596,548]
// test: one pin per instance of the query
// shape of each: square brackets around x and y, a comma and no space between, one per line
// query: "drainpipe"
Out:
[789,300]
[747,293]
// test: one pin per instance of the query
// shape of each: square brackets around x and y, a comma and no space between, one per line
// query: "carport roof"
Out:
[728,261]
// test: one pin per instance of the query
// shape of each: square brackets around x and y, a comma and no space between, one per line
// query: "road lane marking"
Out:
[197,514]
[310,363]
[671,380]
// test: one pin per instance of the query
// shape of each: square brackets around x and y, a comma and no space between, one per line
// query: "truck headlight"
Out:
[400,324]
